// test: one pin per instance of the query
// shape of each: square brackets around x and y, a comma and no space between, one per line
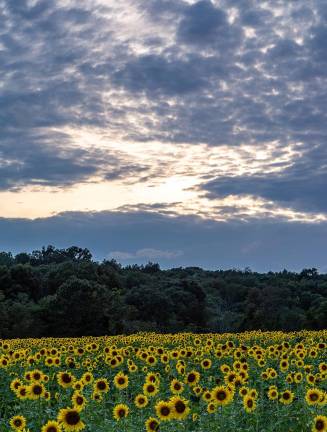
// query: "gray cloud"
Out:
[153,73]
[203,23]
[146,254]
[229,74]
[300,186]
[40,157]
[261,245]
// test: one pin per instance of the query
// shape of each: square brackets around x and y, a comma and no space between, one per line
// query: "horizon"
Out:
[143,264]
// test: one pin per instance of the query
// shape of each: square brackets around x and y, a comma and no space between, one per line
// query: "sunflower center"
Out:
[72,418]
[221,395]
[165,411]
[191,378]
[52,429]
[320,425]
[18,422]
[37,390]
[121,413]
[153,425]
[66,378]
[180,407]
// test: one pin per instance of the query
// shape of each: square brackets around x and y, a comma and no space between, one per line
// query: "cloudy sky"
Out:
[178,131]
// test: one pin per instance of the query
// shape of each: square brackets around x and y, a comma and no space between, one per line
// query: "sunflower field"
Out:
[254,381]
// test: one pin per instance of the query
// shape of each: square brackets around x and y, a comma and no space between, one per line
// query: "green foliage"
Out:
[63,292]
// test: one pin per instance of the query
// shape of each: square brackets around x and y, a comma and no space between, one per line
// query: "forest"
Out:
[64,292]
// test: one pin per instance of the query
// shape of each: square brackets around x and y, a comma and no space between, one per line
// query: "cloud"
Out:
[206,73]
[146,253]
[153,74]
[300,186]
[50,158]
[261,245]
[201,22]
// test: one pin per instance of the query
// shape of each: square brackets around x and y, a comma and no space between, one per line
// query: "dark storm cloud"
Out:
[174,241]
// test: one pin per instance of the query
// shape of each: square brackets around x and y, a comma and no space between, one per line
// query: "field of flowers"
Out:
[151,382]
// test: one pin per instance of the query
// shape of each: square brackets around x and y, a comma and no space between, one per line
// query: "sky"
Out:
[189,133]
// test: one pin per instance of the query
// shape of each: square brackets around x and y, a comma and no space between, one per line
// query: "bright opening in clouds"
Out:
[183,132]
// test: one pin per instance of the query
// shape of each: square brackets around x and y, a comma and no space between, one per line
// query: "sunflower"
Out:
[96,396]
[151,360]
[141,401]
[206,363]
[133,368]
[78,401]
[87,378]
[286,397]
[51,426]
[272,374]
[197,390]
[65,379]
[249,404]
[243,391]
[152,424]
[298,377]
[221,395]
[35,391]
[310,379]
[206,396]
[101,385]
[150,389]
[230,377]
[272,393]
[176,386]
[164,410]
[49,361]
[37,375]
[320,424]
[120,411]
[70,419]
[18,422]
[152,377]
[22,392]
[15,384]
[121,381]
[313,396]
[284,365]
[180,407]
[211,408]
[224,368]
[192,378]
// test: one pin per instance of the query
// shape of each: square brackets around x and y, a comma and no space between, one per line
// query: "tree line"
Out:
[64,292]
